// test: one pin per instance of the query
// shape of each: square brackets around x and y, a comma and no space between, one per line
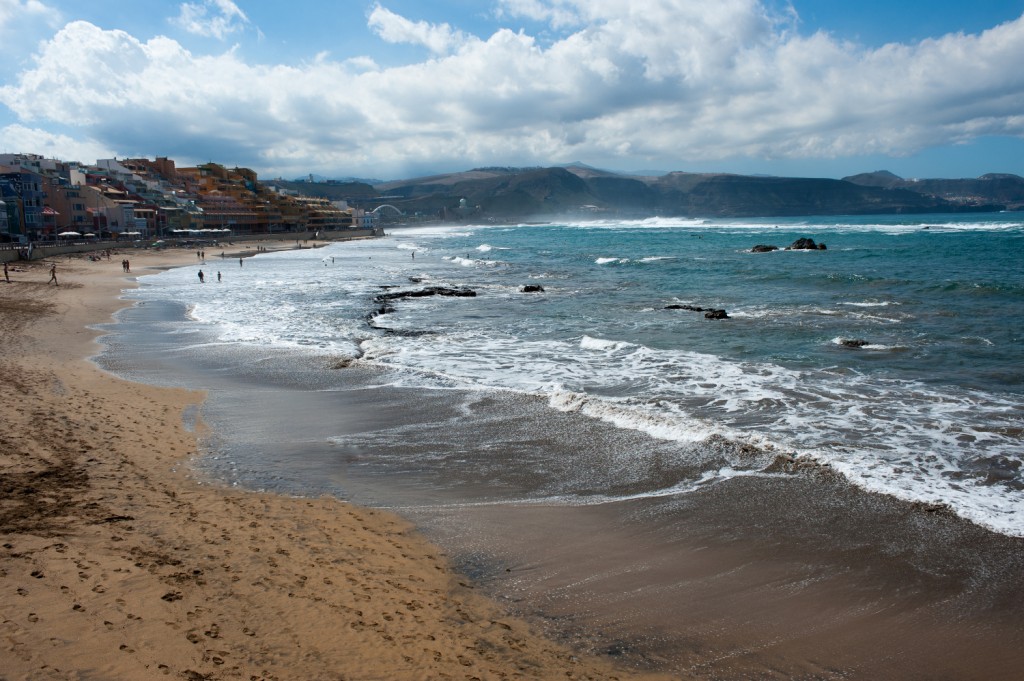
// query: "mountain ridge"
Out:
[511,193]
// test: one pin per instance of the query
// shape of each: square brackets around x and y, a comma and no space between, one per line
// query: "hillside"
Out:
[537,193]
[995,188]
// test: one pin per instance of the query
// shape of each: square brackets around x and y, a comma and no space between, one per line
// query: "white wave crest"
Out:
[590,343]
[631,418]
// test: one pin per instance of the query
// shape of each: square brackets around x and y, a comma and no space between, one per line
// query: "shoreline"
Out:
[116,563]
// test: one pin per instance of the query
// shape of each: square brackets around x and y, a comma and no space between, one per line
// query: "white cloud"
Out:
[558,14]
[211,18]
[22,24]
[631,84]
[22,139]
[12,10]
[439,39]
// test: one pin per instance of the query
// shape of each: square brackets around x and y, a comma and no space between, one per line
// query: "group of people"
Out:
[126,266]
[202,277]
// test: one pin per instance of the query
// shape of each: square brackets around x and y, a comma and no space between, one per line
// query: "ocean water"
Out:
[895,357]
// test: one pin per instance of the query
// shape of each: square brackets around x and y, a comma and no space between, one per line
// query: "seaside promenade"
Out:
[10,252]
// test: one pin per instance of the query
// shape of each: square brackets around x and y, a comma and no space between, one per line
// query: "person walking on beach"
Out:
[7,277]
[202,277]
[53,274]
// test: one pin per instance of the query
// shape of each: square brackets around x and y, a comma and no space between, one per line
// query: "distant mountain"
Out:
[331,189]
[879,178]
[744,195]
[313,178]
[507,193]
[994,188]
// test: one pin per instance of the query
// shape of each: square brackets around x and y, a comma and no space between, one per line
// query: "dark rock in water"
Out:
[424,292]
[853,342]
[801,465]
[532,288]
[709,312]
[937,508]
[382,310]
[805,244]
[763,248]
[416,280]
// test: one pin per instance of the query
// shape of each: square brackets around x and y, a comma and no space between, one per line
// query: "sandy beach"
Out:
[117,563]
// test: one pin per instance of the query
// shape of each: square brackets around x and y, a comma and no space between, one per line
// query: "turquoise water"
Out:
[895,356]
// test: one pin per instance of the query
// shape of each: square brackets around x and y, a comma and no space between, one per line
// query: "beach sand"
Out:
[116,563]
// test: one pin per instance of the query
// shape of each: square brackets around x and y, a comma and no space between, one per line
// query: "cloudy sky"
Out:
[397,88]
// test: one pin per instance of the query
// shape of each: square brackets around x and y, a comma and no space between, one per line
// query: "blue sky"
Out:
[398,88]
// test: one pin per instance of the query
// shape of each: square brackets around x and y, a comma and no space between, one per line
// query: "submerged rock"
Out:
[853,342]
[709,312]
[532,288]
[424,292]
[801,465]
[763,248]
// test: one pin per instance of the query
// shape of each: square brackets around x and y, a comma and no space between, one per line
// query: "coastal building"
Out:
[24,192]
[10,209]
[322,215]
[66,204]
[154,199]
[111,206]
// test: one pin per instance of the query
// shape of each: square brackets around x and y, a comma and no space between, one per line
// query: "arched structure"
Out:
[387,212]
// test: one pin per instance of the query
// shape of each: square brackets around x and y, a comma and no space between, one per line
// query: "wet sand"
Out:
[117,563]
[760,579]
